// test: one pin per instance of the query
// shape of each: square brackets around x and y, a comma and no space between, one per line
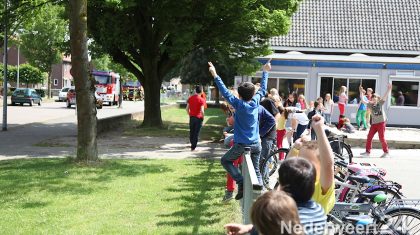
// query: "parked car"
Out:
[71,99]
[62,95]
[26,95]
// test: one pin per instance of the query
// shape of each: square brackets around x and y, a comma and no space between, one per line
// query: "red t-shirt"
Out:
[195,102]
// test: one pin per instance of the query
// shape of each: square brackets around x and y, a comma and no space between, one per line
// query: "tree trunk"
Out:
[87,149]
[152,114]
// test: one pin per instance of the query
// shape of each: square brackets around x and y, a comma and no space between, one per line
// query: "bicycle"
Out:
[270,165]
[340,147]
[374,218]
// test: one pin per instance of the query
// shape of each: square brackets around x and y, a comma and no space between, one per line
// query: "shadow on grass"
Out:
[61,176]
[196,206]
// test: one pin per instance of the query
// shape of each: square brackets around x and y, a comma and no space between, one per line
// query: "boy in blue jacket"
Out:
[246,124]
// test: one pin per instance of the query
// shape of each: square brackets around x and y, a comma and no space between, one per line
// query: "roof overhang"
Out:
[342,58]
[340,50]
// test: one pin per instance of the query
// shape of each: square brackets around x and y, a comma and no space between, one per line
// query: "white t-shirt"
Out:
[328,106]
[301,118]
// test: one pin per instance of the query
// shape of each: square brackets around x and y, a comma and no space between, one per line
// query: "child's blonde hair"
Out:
[343,89]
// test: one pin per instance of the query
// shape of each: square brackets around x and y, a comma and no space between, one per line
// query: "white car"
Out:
[62,95]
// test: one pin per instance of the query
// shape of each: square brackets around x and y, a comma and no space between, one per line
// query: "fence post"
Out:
[252,188]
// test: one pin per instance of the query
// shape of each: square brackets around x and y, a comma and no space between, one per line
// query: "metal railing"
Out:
[252,188]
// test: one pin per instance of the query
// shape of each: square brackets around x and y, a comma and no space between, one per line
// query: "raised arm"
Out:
[222,88]
[361,95]
[261,92]
[325,154]
[388,90]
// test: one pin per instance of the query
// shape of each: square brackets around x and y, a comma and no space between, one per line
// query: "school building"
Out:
[347,43]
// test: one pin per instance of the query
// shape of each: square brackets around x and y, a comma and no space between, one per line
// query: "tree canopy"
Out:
[150,37]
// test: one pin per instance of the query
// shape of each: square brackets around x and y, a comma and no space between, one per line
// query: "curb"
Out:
[396,144]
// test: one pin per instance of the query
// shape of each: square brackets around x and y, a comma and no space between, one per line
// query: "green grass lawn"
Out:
[176,121]
[56,196]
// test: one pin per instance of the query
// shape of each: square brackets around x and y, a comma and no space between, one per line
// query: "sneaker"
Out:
[385,155]
[364,129]
[365,154]
[228,196]
[240,193]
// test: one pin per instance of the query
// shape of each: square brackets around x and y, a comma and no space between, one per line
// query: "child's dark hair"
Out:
[281,109]
[246,91]
[286,113]
[297,177]
[198,89]
[316,103]
[342,116]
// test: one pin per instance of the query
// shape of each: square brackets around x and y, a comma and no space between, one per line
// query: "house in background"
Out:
[348,43]
[60,73]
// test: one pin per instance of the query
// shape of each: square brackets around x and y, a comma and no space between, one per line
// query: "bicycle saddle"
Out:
[359,179]
[371,196]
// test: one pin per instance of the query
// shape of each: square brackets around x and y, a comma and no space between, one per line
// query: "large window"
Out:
[332,85]
[404,93]
[286,85]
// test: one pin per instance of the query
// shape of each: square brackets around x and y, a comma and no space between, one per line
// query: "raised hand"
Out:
[389,86]
[318,123]
[267,66]
[212,69]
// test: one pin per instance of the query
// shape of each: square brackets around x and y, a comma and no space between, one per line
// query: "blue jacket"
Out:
[267,121]
[246,113]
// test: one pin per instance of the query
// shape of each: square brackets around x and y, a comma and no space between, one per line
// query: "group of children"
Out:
[306,191]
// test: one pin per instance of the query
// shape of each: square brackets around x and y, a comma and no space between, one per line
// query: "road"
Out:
[30,126]
[50,111]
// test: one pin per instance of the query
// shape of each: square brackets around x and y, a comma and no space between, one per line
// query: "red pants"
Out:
[380,128]
[280,137]
[230,183]
[341,107]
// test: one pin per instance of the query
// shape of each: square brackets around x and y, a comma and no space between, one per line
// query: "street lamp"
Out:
[18,34]
[4,124]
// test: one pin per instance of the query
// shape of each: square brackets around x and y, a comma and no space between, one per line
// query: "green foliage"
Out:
[30,75]
[105,63]
[179,26]
[11,72]
[44,35]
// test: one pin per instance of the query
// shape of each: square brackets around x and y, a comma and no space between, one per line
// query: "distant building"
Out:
[348,43]
[60,73]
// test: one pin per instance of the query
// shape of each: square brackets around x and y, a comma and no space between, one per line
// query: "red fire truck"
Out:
[107,86]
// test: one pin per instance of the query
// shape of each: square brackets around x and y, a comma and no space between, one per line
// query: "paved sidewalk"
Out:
[397,137]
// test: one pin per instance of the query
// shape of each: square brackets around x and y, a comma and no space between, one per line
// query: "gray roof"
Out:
[379,25]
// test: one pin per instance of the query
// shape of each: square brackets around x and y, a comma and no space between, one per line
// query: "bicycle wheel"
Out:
[269,166]
[342,149]
[400,221]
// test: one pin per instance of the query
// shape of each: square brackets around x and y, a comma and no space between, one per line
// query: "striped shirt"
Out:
[312,217]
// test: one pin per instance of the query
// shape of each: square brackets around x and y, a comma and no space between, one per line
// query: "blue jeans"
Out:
[234,153]
[327,117]
[299,131]
[266,145]
[195,126]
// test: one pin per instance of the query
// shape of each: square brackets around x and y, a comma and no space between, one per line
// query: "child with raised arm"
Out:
[378,121]
[246,124]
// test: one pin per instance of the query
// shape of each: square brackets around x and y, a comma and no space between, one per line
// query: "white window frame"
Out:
[346,76]
[405,79]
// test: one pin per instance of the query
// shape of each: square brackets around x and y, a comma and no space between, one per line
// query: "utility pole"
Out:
[6,15]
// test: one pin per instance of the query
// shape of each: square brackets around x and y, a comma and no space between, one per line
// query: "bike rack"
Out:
[252,188]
